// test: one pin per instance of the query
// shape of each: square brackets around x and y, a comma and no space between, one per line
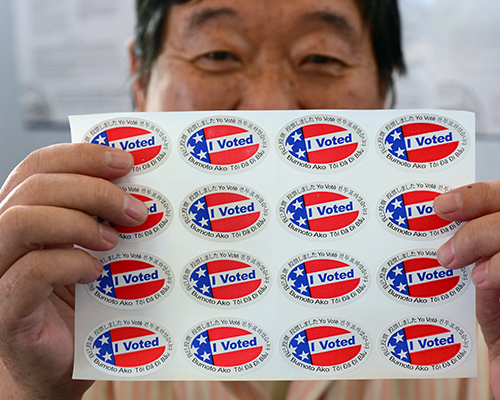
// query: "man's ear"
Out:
[139,86]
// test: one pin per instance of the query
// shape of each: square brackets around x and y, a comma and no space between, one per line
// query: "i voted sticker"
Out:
[227,347]
[425,345]
[148,143]
[407,211]
[416,277]
[129,347]
[324,278]
[160,214]
[224,212]
[325,346]
[223,144]
[322,143]
[226,279]
[423,142]
[322,211]
[132,280]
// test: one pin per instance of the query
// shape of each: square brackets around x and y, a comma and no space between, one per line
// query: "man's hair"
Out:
[380,16]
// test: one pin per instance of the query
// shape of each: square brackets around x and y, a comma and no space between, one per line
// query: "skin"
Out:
[216,54]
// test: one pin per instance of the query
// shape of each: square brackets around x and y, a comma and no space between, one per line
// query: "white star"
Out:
[301,221]
[397,204]
[108,289]
[390,281]
[192,216]
[398,337]
[292,349]
[97,283]
[97,350]
[193,282]
[296,136]
[198,138]
[194,349]
[304,356]
[205,356]
[201,272]
[107,356]
[101,139]
[203,222]
[289,147]
[299,272]
[300,339]
[402,354]
[291,282]
[401,287]
[200,205]
[202,154]
[104,340]
[205,289]
[303,288]
[388,146]
[400,152]
[202,340]
[290,215]
[398,271]
[400,220]
[301,154]
[389,214]
[391,348]
[190,148]
[104,273]
[297,204]
[396,135]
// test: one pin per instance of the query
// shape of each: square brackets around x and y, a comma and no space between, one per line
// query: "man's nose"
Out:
[270,88]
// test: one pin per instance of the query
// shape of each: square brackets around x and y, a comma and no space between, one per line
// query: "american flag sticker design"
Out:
[129,347]
[159,218]
[423,142]
[425,344]
[322,211]
[325,346]
[408,211]
[132,280]
[223,144]
[224,212]
[226,279]
[416,277]
[322,143]
[227,346]
[146,141]
[324,278]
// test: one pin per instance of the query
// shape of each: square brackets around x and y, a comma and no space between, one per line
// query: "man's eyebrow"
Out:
[202,16]
[333,20]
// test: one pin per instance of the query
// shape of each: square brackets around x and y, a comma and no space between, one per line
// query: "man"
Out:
[194,55]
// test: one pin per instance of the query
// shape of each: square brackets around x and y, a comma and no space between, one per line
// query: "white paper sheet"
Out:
[302,275]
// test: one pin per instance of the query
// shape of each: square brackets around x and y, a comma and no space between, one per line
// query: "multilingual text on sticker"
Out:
[322,211]
[148,143]
[423,142]
[223,144]
[322,143]
[224,212]
[129,347]
[425,345]
[324,278]
[416,277]
[325,346]
[131,280]
[160,214]
[227,347]
[407,211]
[226,279]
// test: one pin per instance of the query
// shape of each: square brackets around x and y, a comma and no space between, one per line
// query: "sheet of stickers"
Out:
[281,245]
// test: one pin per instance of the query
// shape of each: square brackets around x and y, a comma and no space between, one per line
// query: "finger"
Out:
[84,159]
[479,239]
[486,274]
[28,228]
[94,196]
[31,281]
[469,202]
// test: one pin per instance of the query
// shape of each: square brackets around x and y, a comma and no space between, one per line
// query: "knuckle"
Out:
[14,220]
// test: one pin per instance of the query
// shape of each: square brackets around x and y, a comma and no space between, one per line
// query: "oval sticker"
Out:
[145,140]
[132,280]
[322,211]
[324,278]
[423,142]
[325,346]
[224,212]
[226,279]
[129,347]
[407,211]
[416,277]
[322,143]
[227,346]
[223,144]
[425,344]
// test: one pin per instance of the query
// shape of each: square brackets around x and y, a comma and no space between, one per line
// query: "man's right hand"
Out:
[47,206]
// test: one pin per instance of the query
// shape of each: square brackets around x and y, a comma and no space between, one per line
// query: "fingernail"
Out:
[448,202]
[480,273]
[446,253]
[135,208]
[98,265]
[118,159]
[109,234]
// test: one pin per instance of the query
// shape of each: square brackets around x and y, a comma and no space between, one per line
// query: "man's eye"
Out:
[319,59]
[218,61]
[220,56]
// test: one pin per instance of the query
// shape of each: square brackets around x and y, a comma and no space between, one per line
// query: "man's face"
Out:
[263,54]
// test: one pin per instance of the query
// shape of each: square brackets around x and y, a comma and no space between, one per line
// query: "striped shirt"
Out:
[407,389]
